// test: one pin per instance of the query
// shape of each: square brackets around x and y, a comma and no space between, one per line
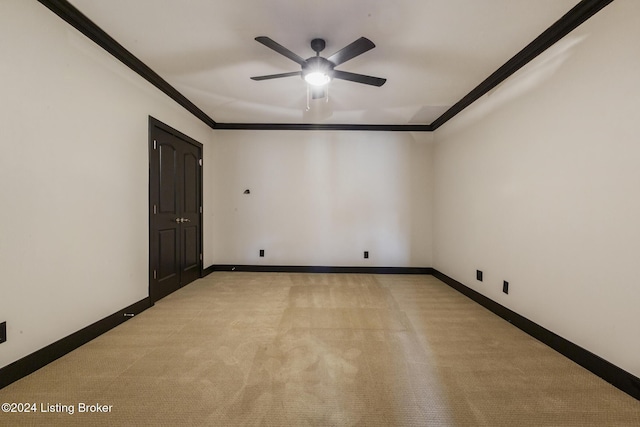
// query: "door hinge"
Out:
[200,257]
[155,144]
[155,209]
[200,209]
[155,274]
[200,162]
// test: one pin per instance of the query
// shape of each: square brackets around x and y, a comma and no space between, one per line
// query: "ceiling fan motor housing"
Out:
[317,64]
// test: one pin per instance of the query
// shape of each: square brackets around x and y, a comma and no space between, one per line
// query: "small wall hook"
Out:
[247,191]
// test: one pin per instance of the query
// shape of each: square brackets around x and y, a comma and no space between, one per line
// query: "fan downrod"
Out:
[318,45]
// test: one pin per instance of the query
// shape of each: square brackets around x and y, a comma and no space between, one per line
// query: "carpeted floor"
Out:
[281,349]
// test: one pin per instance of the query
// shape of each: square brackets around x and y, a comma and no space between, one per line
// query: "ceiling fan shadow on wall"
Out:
[318,71]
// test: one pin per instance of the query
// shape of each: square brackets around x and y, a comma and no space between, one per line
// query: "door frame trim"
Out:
[153,124]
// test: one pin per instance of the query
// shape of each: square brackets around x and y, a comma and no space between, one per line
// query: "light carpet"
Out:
[287,349]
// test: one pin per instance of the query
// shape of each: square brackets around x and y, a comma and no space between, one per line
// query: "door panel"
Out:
[191,203]
[167,184]
[191,256]
[175,194]
[191,174]
[168,267]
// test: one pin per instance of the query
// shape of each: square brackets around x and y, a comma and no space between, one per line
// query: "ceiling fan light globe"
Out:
[317,78]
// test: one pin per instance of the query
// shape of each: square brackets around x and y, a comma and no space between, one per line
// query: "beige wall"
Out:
[74,173]
[537,183]
[321,198]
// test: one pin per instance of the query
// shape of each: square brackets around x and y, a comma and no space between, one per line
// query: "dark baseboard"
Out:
[609,372]
[31,363]
[207,271]
[317,269]
[614,375]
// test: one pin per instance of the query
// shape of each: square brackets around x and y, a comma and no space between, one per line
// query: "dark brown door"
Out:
[175,210]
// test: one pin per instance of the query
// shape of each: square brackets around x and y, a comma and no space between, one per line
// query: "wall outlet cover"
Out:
[505,287]
[479,275]
[3,332]
[366,254]
[262,252]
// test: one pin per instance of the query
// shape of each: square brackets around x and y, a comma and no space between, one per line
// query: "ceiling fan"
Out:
[317,70]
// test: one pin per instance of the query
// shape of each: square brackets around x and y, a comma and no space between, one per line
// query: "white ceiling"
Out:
[432,52]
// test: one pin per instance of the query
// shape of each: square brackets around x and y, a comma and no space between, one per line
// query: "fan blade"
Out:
[356,48]
[280,49]
[358,78]
[277,76]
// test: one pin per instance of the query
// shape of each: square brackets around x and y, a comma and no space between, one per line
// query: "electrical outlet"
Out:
[3,332]
[261,252]
[366,254]
[505,287]
[479,275]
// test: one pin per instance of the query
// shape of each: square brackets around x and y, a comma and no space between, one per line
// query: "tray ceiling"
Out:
[432,52]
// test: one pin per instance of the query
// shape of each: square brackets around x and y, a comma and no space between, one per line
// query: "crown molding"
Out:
[563,26]
[323,126]
[82,23]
